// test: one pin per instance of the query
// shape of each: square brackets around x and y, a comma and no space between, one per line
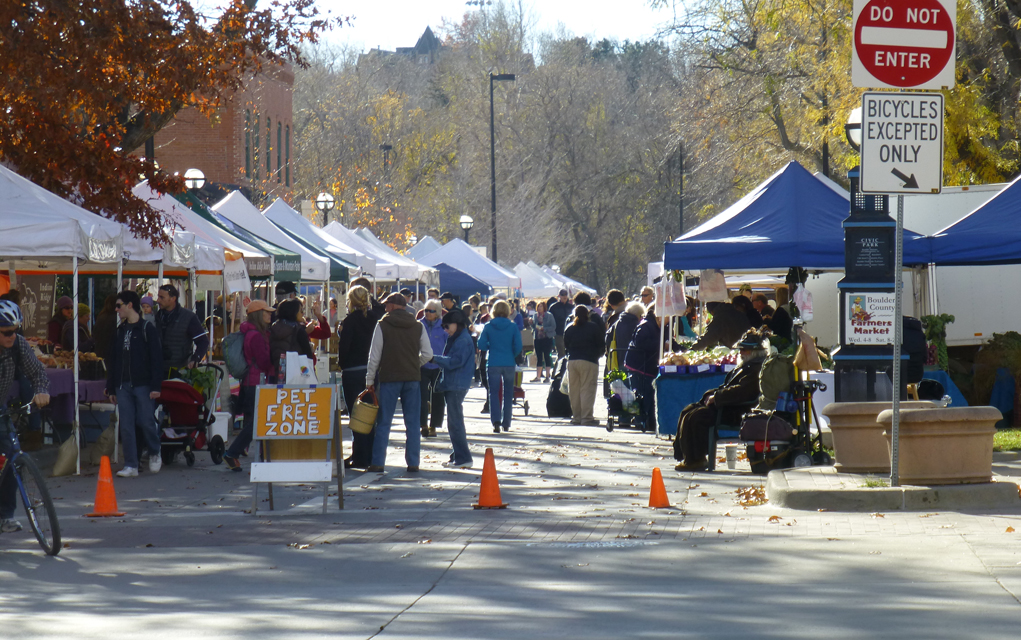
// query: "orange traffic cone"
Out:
[657,496]
[106,501]
[489,494]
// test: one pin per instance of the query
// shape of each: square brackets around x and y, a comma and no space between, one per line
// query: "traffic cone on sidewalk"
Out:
[489,494]
[657,496]
[106,501]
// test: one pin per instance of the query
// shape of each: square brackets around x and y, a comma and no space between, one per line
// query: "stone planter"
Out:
[858,442]
[945,446]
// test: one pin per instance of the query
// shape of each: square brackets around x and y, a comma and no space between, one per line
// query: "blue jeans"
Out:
[8,486]
[137,418]
[455,426]
[410,393]
[244,438]
[501,415]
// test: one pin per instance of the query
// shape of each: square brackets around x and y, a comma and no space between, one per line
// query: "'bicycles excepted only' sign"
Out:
[297,411]
[901,142]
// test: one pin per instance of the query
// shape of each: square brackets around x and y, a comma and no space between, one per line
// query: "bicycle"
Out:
[42,516]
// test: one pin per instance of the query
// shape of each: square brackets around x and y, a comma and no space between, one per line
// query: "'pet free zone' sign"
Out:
[293,412]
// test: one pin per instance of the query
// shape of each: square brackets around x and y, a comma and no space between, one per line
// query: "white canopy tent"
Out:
[534,282]
[423,247]
[286,218]
[459,254]
[236,208]
[569,283]
[423,273]
[387,270]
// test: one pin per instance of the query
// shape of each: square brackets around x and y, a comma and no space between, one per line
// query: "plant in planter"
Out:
[1003,350]
[936,336]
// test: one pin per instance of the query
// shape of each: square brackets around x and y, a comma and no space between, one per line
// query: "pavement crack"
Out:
[450,565]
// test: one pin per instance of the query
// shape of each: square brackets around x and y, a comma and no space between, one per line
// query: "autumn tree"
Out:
[84,84]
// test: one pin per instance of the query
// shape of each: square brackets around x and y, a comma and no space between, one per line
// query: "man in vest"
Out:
[400,346]
[185,341]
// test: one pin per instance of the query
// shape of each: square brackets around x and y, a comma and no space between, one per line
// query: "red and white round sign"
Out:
[905,43]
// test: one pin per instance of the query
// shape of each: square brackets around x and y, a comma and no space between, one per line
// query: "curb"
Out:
[990,495]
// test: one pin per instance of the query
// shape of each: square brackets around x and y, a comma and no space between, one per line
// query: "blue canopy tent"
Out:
[989,235]
[792,219]
[461,284]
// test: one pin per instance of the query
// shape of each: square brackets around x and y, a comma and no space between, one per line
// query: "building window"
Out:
[287,156]
[280,135]
[248,143]
[255,149]
[269,165]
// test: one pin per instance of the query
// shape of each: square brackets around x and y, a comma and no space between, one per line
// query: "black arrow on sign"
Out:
[909,183]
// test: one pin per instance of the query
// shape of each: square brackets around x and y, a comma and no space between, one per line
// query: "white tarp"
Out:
[284,216]
[236,208]
[422,272]
[534,282]
[423,247]
[36,223]
[387,270]
[458,254]
[570,284]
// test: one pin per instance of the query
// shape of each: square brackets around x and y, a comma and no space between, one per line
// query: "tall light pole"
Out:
[493,77]
[324,203]
[467,222]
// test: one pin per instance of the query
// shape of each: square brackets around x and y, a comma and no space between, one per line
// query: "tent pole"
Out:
[117,407]
[74,319]
[159,275]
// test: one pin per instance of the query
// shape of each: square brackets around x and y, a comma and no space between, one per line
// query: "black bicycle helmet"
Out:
[10,314]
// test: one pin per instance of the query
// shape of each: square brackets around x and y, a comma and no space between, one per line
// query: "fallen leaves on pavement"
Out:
[751,496]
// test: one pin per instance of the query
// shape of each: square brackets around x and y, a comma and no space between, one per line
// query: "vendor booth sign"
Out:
[235,273]
[36,303]
[869,319]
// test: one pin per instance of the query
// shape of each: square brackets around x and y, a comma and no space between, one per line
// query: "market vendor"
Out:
[64,312]
[85,342]
[727,326]
[740,388]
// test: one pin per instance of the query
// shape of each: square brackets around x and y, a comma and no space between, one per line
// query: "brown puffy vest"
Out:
[402,343]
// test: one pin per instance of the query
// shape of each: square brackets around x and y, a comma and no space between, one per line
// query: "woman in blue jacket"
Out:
[458,370]
[501,339]
[432,399]
[642,359]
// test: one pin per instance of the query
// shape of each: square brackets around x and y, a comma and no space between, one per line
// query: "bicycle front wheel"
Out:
[42,516]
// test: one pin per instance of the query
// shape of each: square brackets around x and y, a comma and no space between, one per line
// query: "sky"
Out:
[389,24]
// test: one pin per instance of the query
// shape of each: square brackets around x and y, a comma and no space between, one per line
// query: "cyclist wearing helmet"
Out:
[15,356]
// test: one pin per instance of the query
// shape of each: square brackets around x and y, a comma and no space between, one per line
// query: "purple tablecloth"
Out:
[61,396]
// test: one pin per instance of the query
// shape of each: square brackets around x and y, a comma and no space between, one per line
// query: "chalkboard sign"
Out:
[869,255]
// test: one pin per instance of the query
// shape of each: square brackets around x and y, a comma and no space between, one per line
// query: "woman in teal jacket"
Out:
[501,339]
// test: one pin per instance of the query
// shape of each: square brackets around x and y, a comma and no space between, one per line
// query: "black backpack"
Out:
[558,405]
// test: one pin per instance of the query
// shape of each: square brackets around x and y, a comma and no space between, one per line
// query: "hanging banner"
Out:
[870,318]
[235,272]
[36,303]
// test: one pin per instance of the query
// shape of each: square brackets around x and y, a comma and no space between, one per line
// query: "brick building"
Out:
[248,145]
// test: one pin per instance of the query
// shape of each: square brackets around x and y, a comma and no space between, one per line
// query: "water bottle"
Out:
[282,369]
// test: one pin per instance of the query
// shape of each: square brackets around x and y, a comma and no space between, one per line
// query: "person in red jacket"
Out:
[256,349]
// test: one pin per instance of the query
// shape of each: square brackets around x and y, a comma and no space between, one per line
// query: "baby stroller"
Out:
[623,400]
[187,416]
[519,391]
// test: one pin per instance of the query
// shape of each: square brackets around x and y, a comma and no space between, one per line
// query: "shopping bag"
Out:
[807,357]
[564,382]
[104,445]
[300,369]
[67,457]
[363,414]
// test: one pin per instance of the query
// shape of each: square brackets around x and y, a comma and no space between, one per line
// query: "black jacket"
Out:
[560,312]
[624,330]
[285,336]
[145,366]
[726,327]
[355,334]
[584,342]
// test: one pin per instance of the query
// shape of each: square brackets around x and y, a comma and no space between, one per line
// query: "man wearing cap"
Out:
[182,335]
[285,290]
[400,346]
[448,301]
[734,397]
[561,310]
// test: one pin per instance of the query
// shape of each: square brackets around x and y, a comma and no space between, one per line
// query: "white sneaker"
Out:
[128,472]
[155,463]
[10,525]
[452,465]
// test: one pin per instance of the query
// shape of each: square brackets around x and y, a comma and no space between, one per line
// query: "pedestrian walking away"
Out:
[501,341]
[584,342]
[135,373]
[354,338]
[561,311]
[400,346]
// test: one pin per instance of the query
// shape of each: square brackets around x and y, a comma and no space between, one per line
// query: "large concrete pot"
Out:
[945,446]
[858,442]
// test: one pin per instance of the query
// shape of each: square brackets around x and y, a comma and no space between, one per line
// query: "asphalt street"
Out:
[577,554]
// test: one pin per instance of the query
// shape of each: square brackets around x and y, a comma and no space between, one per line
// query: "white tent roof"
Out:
[284,216]
[569,283]
[205,231]
[534,282]
[459,254]
[35,223]
[423,272]
[423,247]
[386,270]
[236,208]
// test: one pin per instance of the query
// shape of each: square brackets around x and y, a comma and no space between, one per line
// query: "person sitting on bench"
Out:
[739,389]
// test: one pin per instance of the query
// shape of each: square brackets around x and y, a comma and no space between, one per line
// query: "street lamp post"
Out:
[467,222]
[493,77]
[194,179]
[324,203]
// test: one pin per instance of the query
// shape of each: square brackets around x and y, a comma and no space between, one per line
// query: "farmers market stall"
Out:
[684,379]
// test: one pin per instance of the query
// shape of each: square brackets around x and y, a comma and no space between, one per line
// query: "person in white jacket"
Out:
[399,348]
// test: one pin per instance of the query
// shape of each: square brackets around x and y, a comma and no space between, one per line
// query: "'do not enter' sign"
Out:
[908,44]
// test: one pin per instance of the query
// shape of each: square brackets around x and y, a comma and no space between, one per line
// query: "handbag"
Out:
[758,426]
[363,415]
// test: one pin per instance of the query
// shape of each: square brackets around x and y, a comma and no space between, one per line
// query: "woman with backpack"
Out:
[255,330]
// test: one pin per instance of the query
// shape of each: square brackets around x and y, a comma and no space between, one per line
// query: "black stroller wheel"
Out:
[802,460]
[822,459]
[609,424]
[168,453]
[189,457]
[216,449]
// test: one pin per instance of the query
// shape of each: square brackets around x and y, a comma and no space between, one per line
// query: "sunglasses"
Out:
[7,333]
[429,311]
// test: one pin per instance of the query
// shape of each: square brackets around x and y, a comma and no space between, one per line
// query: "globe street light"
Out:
[194,179]
[467,222]
[853,129]
[493,77]
[324,202]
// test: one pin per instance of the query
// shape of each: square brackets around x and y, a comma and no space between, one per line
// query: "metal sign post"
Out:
[898,336]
